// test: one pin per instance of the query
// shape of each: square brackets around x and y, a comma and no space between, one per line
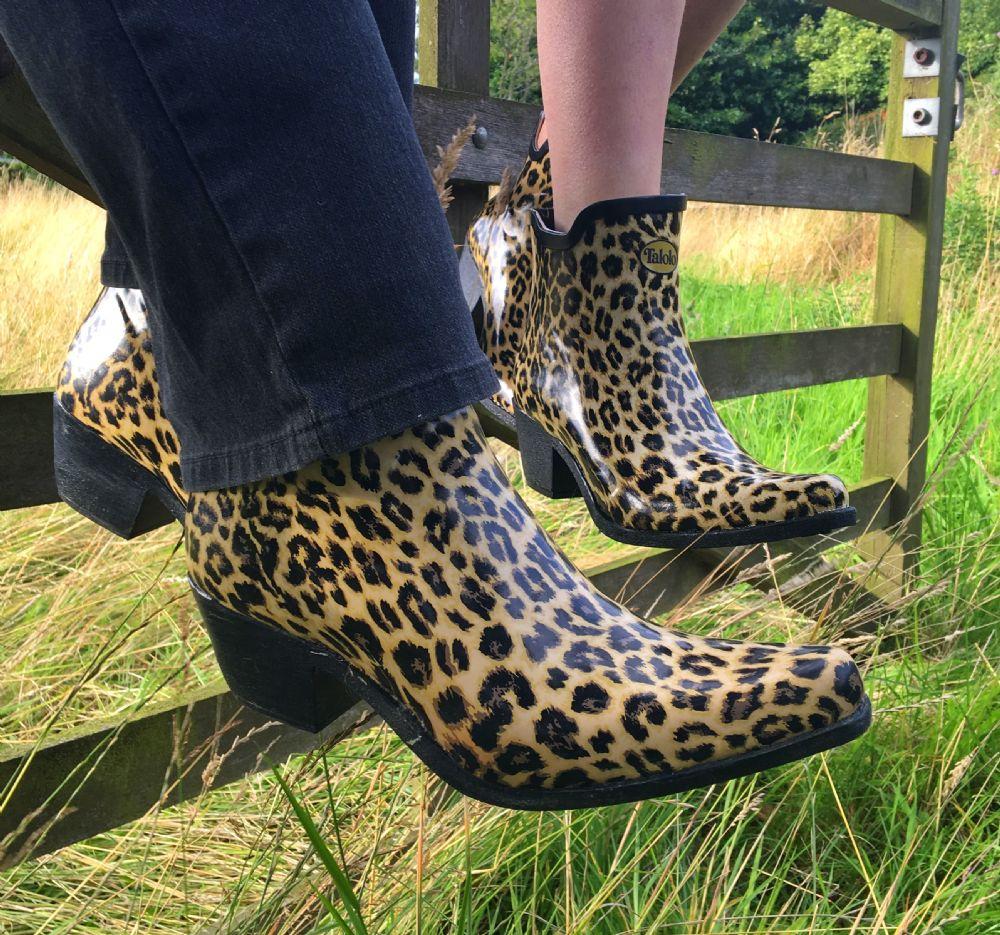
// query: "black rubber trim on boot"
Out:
[472,289]
[497,422]
[106,485]
[259,661]
[613,209]
[538,152]
[550,469]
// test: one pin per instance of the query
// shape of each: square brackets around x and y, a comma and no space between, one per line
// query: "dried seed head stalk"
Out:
[506,188]
[448,157]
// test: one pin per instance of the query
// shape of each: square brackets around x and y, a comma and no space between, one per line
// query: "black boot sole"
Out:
[104,484]
[305,685]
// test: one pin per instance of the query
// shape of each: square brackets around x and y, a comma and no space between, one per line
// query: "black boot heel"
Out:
[272,671]
[543,466]
[103,484]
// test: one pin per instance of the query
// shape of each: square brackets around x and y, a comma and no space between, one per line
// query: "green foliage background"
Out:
[788,60]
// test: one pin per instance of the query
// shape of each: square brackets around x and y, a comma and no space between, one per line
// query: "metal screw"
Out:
[924,56]
[480,138]
[922,116]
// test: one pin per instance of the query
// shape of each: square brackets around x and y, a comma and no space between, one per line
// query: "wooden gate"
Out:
[112,773]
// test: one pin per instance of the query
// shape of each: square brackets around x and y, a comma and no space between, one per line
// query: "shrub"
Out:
[968,224]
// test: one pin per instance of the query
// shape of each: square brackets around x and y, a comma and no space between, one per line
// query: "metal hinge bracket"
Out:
[922,58]
[922,115]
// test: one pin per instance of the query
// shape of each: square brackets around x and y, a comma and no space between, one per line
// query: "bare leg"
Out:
[605,72]
[606,80]
[703,23]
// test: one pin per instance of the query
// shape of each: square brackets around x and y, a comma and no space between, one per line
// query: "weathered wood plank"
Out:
[70,788]
[26,474]
[705,166]
[909,16]
[454,53]
[907,286]
[73,787]
[728,170]
[731,367]
[454,50]
[765,363]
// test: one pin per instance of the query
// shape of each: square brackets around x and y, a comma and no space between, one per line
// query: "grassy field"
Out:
[899,832]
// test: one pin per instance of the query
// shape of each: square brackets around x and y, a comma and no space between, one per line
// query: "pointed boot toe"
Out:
[809,503]
[410,574]
[825,492]
[116,457]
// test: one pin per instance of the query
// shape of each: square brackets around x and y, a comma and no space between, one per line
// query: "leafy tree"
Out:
[752,76]
[978,36]
[514,51]
[847,59]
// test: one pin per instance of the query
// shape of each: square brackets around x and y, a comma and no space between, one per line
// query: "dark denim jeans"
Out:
[267,192]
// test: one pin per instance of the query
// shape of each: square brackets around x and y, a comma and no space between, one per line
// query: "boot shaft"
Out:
[109,384]
[605,304]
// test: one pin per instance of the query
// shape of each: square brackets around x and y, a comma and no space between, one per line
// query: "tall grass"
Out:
[896,833]
[747,244]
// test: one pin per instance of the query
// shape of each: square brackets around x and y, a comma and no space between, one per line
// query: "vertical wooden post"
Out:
[454,52]
[907,286]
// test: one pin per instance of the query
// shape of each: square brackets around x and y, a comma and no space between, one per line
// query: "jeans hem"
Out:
[118,274]
[341,432]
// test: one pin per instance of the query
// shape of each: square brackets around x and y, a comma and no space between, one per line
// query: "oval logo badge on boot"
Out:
[659,256]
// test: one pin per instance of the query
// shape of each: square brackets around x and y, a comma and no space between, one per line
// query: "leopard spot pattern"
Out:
[416,562]
[502,250]
[109,383]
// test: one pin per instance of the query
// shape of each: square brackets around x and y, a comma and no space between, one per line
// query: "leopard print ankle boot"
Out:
[411,574]
[607,397]
[718,495]
[117,459]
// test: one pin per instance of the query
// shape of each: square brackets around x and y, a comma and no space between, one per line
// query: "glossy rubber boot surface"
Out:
[550,469]
[103,484]
[543,466]
[273,673]
[605,368]
[282,676]
[414,574]
[496,421]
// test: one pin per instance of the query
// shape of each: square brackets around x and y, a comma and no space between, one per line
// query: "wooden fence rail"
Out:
[731,367]
[70,787]
[918,17]
[705,166]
